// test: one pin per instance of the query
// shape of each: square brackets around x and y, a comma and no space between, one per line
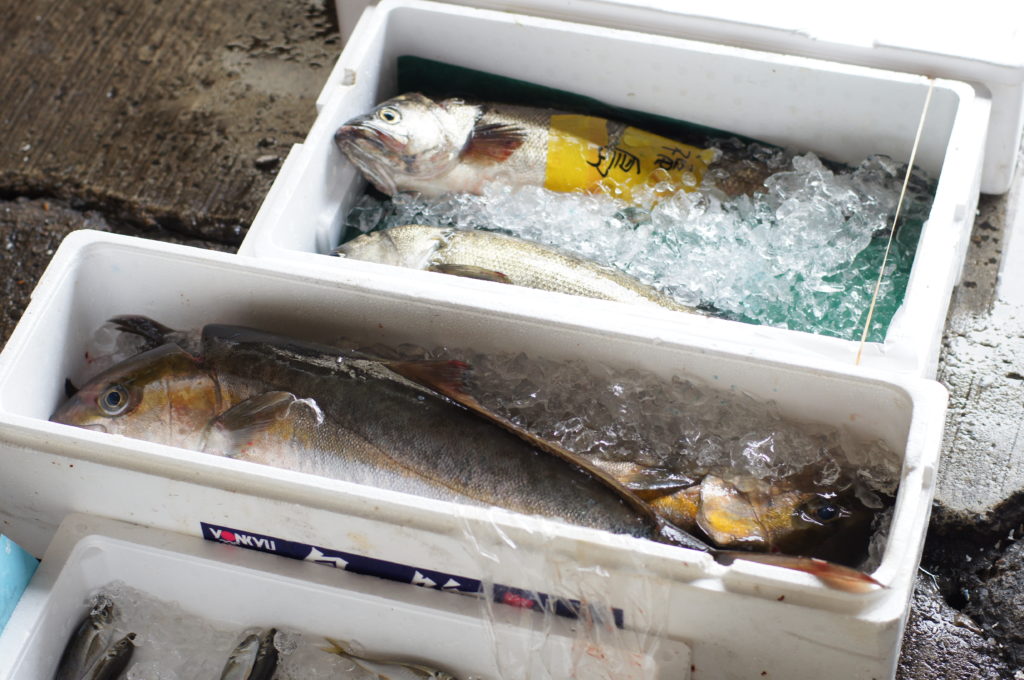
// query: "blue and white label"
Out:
[425,578]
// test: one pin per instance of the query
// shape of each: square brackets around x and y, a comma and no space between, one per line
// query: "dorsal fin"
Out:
[493,142]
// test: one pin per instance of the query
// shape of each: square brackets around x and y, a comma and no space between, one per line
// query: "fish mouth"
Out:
[368,153]
[355,134]
[68,419]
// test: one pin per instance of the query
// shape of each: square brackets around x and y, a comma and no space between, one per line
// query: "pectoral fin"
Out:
[230,433]
[494,142]
[470,272]
[728,516]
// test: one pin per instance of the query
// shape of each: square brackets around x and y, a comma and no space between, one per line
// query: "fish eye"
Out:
[827,512]
[389,114]
[113,401]
[823,511]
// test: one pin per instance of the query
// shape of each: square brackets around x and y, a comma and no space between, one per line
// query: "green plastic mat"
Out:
[440,80]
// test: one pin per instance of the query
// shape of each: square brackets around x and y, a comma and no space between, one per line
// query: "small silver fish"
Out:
[114,661]
[255,658]
[496,257]
[387,669]
[87,644]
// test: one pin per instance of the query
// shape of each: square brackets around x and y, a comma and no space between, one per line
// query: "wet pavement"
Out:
[169,121]
[943,643]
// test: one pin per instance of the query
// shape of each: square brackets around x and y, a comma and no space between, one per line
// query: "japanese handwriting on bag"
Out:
[673,158]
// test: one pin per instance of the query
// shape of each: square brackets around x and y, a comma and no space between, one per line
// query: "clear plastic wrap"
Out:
[610,640]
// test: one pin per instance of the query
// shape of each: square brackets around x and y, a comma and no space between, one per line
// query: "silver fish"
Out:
[90,639]
[114,661]
[496,257]
[255,658]
[413,143]
[384,669]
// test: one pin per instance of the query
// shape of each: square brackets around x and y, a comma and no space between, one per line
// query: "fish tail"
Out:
[835,576]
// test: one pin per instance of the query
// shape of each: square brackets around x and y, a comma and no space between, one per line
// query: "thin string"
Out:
[895,220]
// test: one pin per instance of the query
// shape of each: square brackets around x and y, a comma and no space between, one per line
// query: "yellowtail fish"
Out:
[255,658]
[87,644]
[413,143]
[386,669]
[266,398]
[403,425]
[506,259]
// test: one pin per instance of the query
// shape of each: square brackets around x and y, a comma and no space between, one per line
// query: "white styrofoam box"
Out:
[906,36]
[233,588]
[839,111]
[737,620]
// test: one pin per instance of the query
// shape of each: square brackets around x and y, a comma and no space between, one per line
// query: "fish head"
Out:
[102,614]
[410,245]
[161,395]
[409,137]
[783,516]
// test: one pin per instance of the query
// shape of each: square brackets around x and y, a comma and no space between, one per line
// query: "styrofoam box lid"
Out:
[984,44]
[236,588]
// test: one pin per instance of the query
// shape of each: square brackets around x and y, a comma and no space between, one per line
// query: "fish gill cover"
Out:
[803,253]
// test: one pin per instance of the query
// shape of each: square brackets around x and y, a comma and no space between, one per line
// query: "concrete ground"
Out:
[169,120]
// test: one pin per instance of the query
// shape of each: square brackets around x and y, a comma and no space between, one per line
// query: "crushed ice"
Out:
[680,429]
[805,254]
